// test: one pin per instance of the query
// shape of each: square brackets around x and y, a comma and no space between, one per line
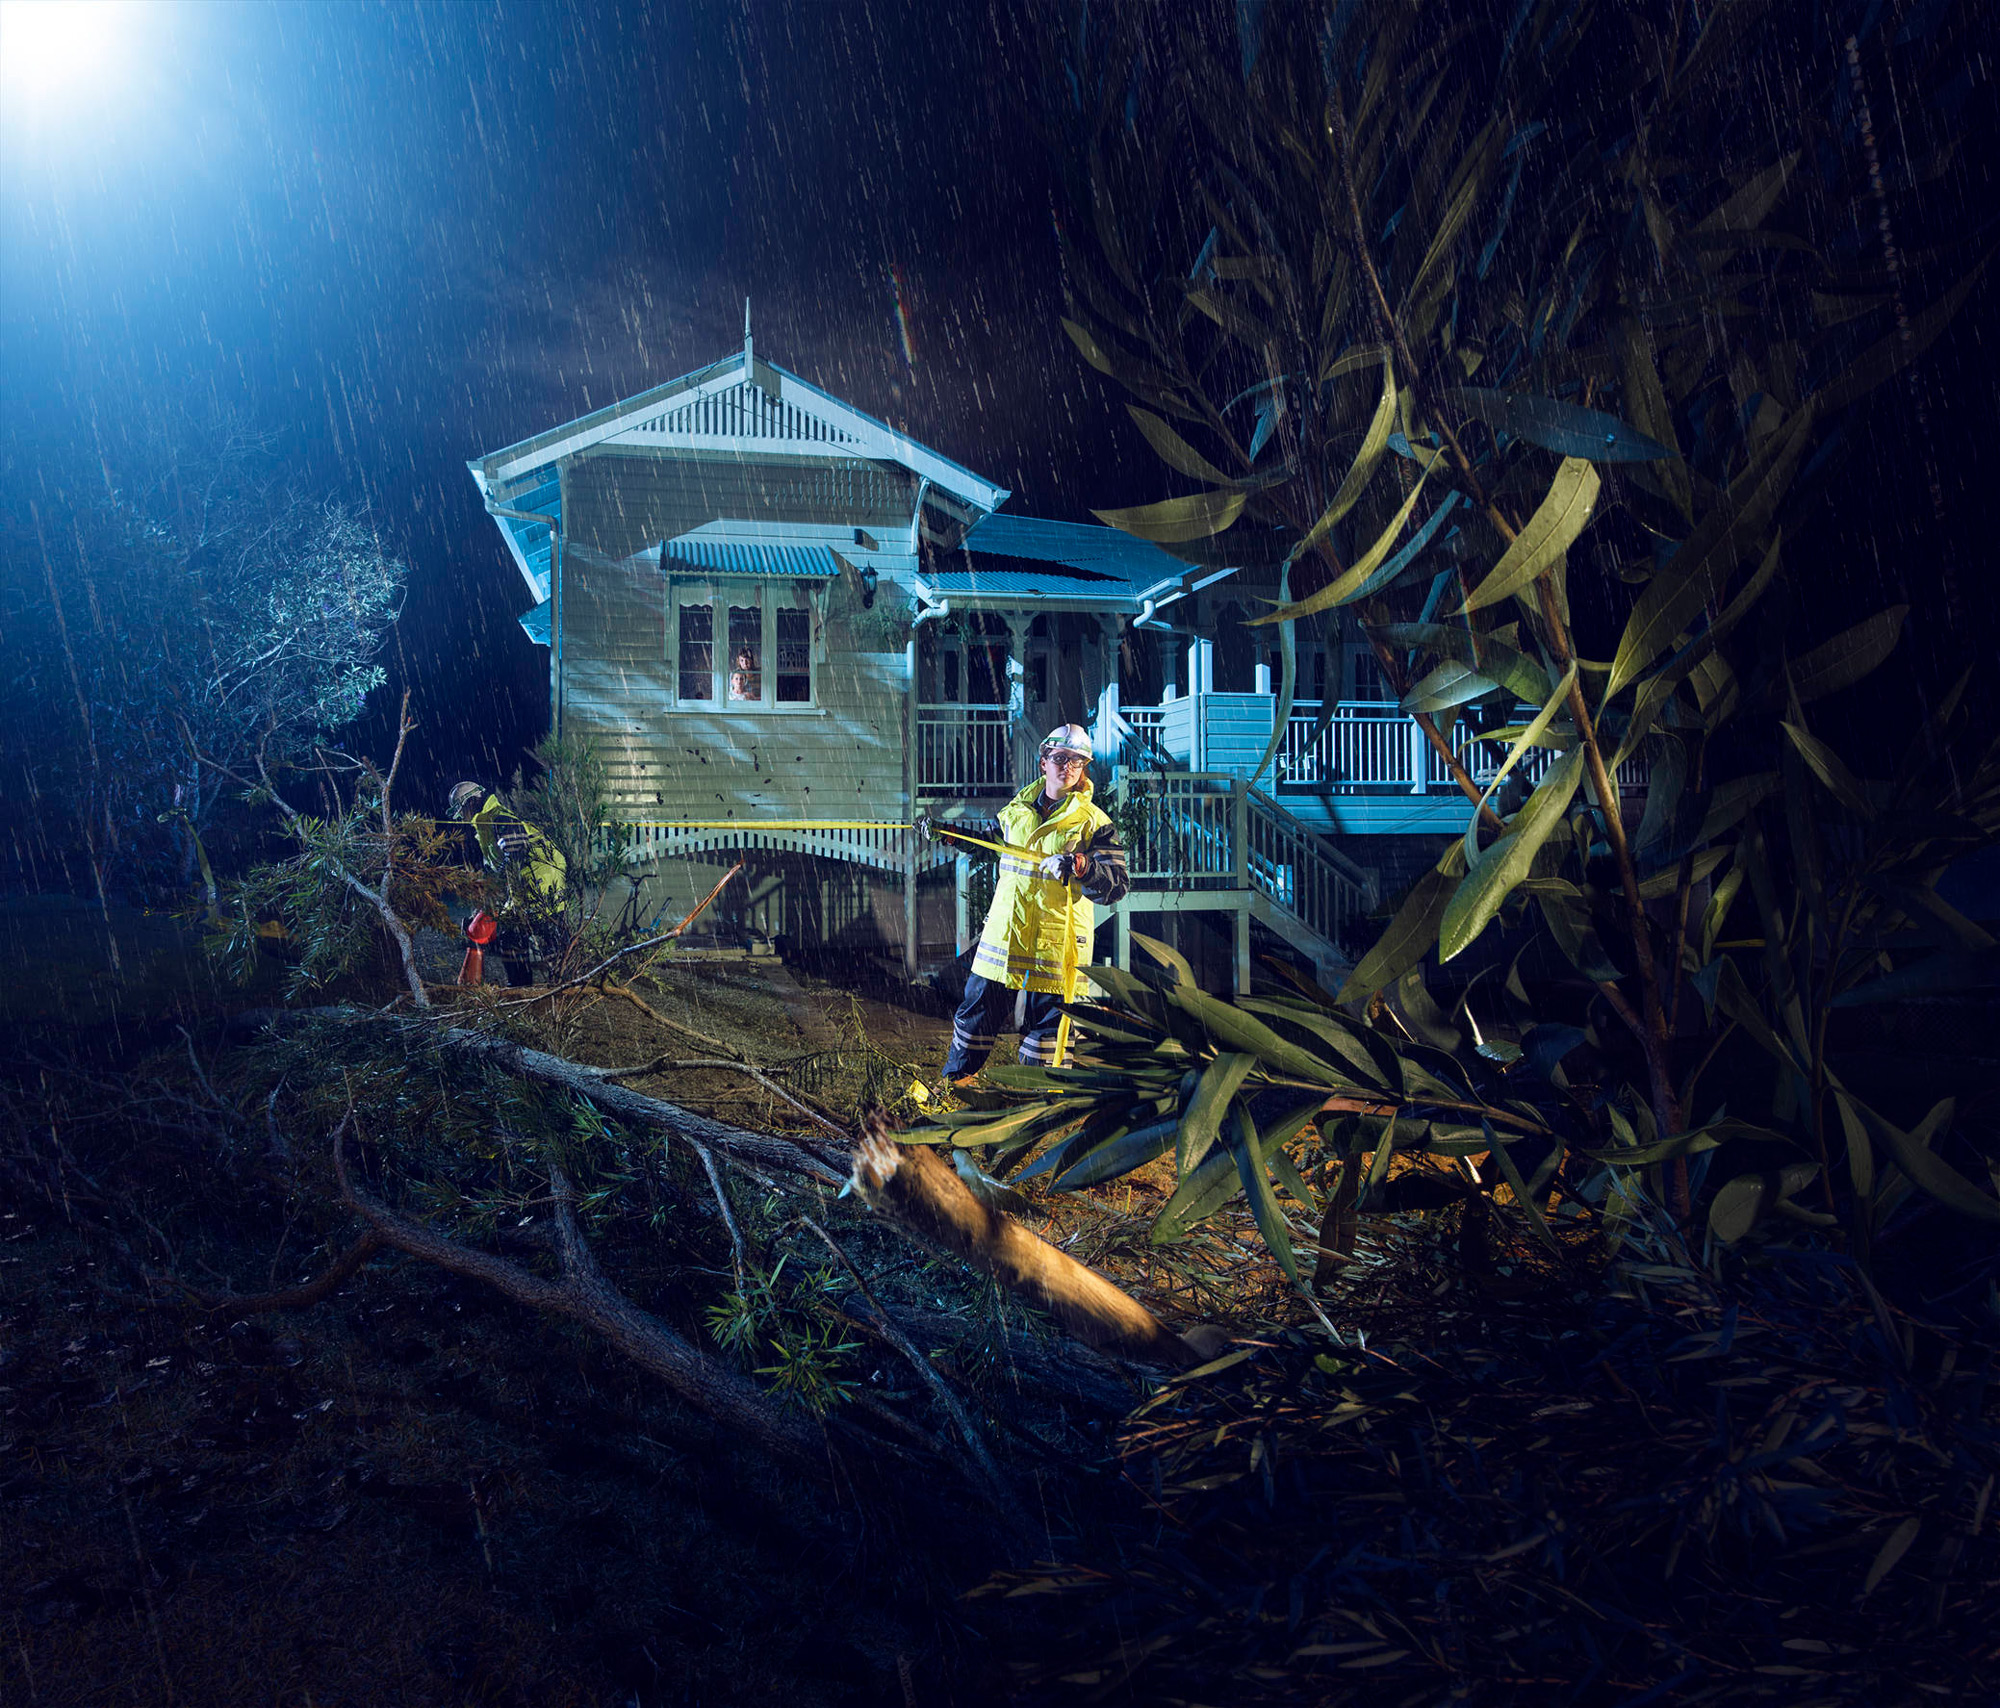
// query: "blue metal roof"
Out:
[535,623]
[1086,546]
[741,557]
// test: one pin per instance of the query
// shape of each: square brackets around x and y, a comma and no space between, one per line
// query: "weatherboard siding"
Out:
[842,758]
[1236,729]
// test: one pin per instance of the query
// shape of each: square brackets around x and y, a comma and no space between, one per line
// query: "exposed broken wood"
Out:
[916,1188]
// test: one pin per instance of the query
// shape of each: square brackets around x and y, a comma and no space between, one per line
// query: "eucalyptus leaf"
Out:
[1174,520]
[1506,863]
[1202,1120]
[1565,428]
[1173,450]
[1696,574]
[1345,587]
[1552,530]
[1198,1196]
[1405,941]
[1849,656]
[1831,770]
[1520,675]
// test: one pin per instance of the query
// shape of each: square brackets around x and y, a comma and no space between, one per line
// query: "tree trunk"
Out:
[914,1186]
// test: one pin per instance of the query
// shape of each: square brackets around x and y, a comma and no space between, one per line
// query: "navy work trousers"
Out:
[985,1008]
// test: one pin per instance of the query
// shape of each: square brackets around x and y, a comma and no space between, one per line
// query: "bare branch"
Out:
[995,1485]
[584,1296]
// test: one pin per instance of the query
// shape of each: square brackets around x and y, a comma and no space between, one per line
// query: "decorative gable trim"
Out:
[744,412]
[742,404]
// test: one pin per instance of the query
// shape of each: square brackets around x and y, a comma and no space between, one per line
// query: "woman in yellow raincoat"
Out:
[1038,929]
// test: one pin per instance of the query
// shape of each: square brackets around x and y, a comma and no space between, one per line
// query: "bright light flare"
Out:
[65,58]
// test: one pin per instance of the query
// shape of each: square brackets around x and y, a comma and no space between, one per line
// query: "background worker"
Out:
[1038,929]
[534,874]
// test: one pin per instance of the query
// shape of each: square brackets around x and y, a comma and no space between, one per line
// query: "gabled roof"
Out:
[742,404]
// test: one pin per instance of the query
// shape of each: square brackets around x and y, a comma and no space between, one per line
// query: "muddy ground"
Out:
[1503,1478]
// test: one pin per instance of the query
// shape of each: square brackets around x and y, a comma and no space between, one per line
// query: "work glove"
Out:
[927,827]
[1065,868]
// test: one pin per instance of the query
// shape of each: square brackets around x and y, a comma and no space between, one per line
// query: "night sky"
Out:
[404,236]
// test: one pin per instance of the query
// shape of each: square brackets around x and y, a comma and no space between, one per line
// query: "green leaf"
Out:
[1550,532]
[1354,1054]
[1347,586]
[1507,862]
[1646,400]
[1849,656]
[1568,920]
[1013,1125]
[1166,954]
[1230,1026]
[1738,1207]
[1199,1195]
[1469,180]
[1696,574]
[1654,691]
[1257,1188]
[1749,206]
[1890,1554]
[1213,1093]
[1450,684]
[1522,1196]
[1385,1152]
[1829,768]
[1529,737]
[1666,882]
[1733,800]
[1565,428]
[1405,940]
[1520,675]
[1288,680]
[1930,1171]
[1175,451]
[1128,370]
[1281,1165]
[1373,443]
[1173,520]
[1955,969]
[1116,1156]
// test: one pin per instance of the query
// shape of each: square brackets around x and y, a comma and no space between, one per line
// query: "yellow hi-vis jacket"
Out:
[1038,929]
[535,878]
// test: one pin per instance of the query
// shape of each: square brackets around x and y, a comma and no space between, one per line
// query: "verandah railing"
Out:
[1191,831]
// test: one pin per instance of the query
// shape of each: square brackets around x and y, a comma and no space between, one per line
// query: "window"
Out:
[697,652]
[746,652]
[1367,677]
[794,656]
[743,645]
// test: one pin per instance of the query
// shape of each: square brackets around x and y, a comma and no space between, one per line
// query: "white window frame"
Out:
[769,595]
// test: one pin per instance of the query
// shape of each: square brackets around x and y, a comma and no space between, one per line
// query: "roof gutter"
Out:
[554,527]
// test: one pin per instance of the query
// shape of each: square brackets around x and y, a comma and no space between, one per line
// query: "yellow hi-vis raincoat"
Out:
[1038,929]
[535,881]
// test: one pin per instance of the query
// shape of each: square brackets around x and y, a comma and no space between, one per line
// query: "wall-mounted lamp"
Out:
[868,580]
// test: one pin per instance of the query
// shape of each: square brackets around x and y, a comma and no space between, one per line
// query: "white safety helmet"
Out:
[1068,738]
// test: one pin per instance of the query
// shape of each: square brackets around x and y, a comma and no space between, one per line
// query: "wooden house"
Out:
[788,628]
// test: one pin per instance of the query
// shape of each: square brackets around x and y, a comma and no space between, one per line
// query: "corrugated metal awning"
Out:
[742,557]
